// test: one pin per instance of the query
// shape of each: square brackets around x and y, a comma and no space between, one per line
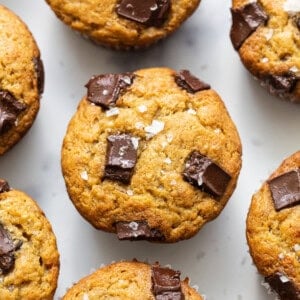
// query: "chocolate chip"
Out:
[7,249]
[166,284]
[10,108]
[137,230]
[203,173]
[104,90]
[245,20]
[189,82]
[4,186]
[147,12]
[279,84]
[39,69]
[121,157]
[283,286]
[285,189]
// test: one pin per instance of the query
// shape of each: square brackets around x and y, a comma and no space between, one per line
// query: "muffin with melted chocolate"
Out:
[273,230]
[266,35]
[29,260]
[21,79]
[124,24]
[133,280]
[150,155]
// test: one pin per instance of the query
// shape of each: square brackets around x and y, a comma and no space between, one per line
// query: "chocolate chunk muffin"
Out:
[150,155]
[273,230]
[21,79]
[124,24]
[29,261]
[133,280]
[266,35]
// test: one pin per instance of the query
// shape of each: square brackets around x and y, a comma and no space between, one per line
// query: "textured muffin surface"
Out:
[35,271]
[271,52]
[98,19]
[21,75]
[274,234]
[123,280]
[168,123]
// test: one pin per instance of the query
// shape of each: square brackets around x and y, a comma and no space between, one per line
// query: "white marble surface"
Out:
[217,258]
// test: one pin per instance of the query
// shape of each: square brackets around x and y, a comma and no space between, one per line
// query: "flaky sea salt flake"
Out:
[135,142]
[153,129]
[217,130]
[113,111]
[264,60]
[269,33]
[84,175]
[126,79]
[168,160]
[142,108]
[133,225]
[294,69]
[199,180]
[105,92]
[283,278]
[129,192]
[296,247]
[191,111]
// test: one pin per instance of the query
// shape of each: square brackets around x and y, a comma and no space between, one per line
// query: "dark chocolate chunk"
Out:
[245,20]
[121,157]
[189,82]
[166,284]
[147,12]
[279,84]
[296,20]
[4,186]
[205,174]
[285,189]
[7,250]
[39,69]
[137,230]
[10,108]
[104,90]
[283,286]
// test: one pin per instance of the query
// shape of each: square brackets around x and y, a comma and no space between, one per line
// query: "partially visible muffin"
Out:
[29,260]
[21,79]
[266,35]
[151,155]
[273,229]
[124,24]
[133,281]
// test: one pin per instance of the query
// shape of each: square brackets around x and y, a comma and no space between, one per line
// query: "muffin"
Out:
[21,79]
[124,24]
[273,230]
[150,155]
[266,35]
[29,260]
[133,280]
